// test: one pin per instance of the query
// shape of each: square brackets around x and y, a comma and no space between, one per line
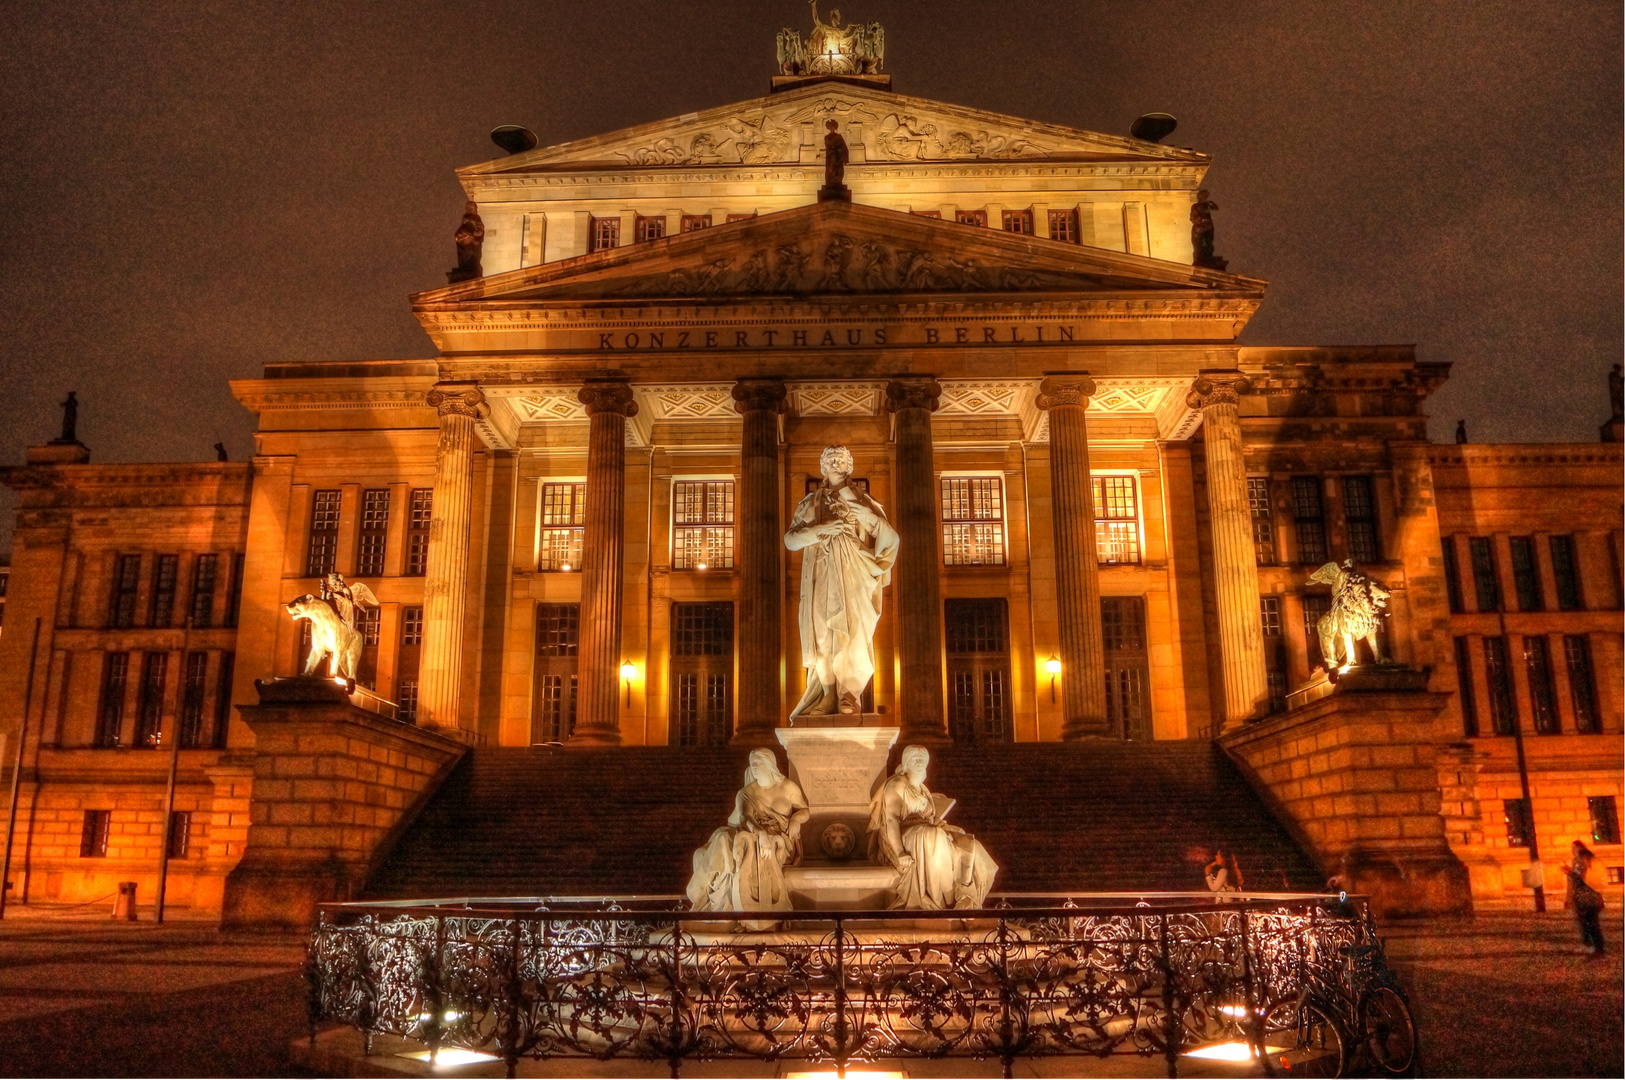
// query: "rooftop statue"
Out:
[939,866]
[849,548]
[333,631]
[1357,612]
[1202,233]
[470,246]
[741,868]
[832,49]
[70,419]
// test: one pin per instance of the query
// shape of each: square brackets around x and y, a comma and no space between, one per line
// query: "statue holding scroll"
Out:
[741,868]
[939,866]
[848,548]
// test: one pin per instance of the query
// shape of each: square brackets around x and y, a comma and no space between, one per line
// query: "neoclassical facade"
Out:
[573,516]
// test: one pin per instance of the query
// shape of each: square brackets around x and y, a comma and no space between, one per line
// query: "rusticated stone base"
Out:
[1354,776]
[334,786]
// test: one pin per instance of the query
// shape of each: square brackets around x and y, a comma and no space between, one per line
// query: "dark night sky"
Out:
[195,189]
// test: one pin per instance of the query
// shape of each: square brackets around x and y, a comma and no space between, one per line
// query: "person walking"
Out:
[1585,901]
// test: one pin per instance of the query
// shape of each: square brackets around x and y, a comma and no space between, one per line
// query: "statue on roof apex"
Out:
[1202,233]
[70,421]
[470,244]
[832,49]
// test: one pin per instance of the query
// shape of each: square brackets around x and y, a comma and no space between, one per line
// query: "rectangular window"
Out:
[149,716]
[1063,226]
[110,714]
[374,533]
[1525,578]
[1018,221]
[1117,519]
[222,699]
[1269,610]
[739,217]
[408,693]
[1520,823]
[1566,572]
[164,572]
[972,521]
[1314,609]
[369,621]
[702,525]
[648,228]
[1604,819]
[93,837]
[1258,503]
[971,217]
[1309,519]
[694,222]
[702,648]
[1464,687]
[1498,675]
[126,586]
[324,533]
[1452,576]
[417,532]
[197,673]
[204,572]
[1486,582]
[1582,684]
[603,233]
[1128,670]
[558,636]
[1537,665]
[180,833]
[564,518]
[1360,519]
[977,639]
[234,592]
[412,626]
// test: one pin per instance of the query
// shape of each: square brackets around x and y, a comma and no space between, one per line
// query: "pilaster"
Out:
[445,586]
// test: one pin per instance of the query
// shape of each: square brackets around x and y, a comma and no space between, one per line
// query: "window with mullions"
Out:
[417,532]
[165,571]
[978,647]
[369,621]
[323,555]
[1258,504]
[1582,684]
[702,525]
[971,217]
[563,526]
[1464,687]
[1566,573]
[222,699]
[1309,519]
[558,636]
[196,679]
[1498,676]
[204,572]
[694,222]
[702,649]
[1018,221]
[1525,578]
[126,586]
[972,521]
[1604,819]
[93,836]
[603,233]
[150,704]
[1063,226]
[1117,519]
[1315,608]
[110,713]
[408,658]
[1520,822]
[1537,664]
[1486,582]
[374,539]
[1360,520]
[1128,672]
[180,833]
[648,228]
[1269,619]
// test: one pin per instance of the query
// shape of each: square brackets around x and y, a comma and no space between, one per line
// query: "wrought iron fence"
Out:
[1295,979]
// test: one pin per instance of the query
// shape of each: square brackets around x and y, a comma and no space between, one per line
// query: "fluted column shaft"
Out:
[1077,575]
[758,546]
[445,584]
[1235,562]
[598,658]
[918,569]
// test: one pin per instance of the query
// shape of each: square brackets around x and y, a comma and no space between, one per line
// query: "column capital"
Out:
[1217,388]
[458,399]
[760,395]
[607,395]
[1075,388]
[919,393]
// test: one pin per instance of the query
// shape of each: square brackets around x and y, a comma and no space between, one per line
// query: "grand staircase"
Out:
[1092,816]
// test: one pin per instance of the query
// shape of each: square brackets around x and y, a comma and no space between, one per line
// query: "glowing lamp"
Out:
[701,566]
[1053,666]
[566,567]
[629,672]
[450,1057]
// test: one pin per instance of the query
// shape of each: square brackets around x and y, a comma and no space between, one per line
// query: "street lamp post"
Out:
[174,767]
[17,773]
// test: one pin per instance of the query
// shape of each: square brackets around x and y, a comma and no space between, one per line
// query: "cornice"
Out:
[1468,454]
[177,477]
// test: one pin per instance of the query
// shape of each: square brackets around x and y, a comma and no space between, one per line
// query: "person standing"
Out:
[1585,901]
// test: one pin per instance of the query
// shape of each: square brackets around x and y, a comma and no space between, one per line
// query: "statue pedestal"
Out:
[838,761]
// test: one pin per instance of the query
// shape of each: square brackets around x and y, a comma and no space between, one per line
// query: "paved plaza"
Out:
[1500,995]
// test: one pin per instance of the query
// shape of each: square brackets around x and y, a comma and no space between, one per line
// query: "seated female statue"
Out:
[741,868]
[938,865]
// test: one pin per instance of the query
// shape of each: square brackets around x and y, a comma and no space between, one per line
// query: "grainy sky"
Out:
[193,189]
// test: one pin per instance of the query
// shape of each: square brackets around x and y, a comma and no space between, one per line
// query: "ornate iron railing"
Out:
[604,977]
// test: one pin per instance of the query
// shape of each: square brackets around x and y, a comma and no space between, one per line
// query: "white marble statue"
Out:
[741,868]
[848,548]
[939,866]
[1356,612]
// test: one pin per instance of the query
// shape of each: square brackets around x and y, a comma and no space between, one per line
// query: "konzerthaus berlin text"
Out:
[573,517]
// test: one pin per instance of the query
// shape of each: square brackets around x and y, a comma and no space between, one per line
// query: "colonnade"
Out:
[916,583]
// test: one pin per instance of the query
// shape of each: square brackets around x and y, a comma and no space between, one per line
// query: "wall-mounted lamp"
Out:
[1053,666]
[629,672]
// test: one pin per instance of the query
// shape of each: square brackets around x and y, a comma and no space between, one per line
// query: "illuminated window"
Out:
[417,532]
[374,532]
[180,829]
[324,533]
[558,635]
[93,838]
[1604,819]
[694,222]
[1063,226]
[1309,519]
[408,694]
[1360,518]
[1520,822]
[150,704]
[126,585]
[1582,683]
[648,228]
[564,518]
[603,233]
[110,714]
[972,521]
[1314,609]
[1128,670]
[204,572]
[702,519]
[1018,221]
[412,626]
[1258,503]
[971,217]
[1269,611]
[1117,519]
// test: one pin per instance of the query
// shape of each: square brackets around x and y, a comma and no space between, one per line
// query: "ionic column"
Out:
[598,665]
[445,584]
[758,545]
[1235,563]
[917,574]
[1077,575]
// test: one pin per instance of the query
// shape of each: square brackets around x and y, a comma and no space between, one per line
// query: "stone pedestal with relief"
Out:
[840,762]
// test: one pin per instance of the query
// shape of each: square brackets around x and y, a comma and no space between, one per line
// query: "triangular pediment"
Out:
[839,248]
[882,127]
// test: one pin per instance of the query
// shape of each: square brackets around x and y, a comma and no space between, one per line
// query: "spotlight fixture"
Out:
[1053,666]
[629,672]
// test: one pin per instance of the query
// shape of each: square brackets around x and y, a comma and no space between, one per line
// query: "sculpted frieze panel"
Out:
[836,399]
[906,137]
[553,403]
[705,402]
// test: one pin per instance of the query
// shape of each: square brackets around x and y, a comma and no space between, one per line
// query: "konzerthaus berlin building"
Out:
[573,516]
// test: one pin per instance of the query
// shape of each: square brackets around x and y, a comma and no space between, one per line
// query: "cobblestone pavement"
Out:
[1500,995]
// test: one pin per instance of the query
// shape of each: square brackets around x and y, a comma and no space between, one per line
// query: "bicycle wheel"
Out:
[1315,1040]
[1387,1031]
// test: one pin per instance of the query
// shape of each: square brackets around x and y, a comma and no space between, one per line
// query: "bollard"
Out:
[124,906]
